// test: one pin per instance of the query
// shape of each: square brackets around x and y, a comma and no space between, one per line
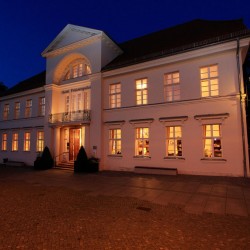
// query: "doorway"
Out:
[74,143]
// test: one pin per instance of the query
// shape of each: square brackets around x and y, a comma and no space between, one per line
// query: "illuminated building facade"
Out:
[171,99]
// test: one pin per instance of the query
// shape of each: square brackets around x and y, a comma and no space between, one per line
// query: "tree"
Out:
[3,87]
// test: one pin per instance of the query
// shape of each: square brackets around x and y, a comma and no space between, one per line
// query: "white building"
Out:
[171,99]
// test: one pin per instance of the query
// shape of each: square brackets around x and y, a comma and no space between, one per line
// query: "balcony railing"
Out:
[75,116]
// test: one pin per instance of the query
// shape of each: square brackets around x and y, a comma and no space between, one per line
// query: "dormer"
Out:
[78,51]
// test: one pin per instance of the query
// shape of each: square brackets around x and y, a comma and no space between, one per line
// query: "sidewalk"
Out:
[194,194]
[57,210]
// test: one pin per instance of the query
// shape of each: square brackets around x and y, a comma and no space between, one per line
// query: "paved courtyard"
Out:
[56,209]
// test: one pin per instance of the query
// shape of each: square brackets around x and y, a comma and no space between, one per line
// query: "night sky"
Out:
[27,27]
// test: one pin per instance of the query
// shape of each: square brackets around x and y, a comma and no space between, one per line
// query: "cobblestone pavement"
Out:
[60,210]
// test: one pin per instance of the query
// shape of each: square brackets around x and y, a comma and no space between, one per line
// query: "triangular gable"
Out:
[69,35]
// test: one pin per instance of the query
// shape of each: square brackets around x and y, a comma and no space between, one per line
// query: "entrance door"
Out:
[74,143]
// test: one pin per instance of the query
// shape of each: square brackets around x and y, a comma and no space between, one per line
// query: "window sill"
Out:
[115,156]
[213,159]
[173,158]
[141,157]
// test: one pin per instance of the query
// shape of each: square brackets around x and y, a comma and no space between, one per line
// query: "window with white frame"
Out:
[212,140]
[172,86]
[115,95]
[141,91]
[41,106]
[209,81]
[17,110]
[28,108]
[15,141]
[4,141]
[67,104]
[40,141]
[26,142]
[77,68]
[115,142]
[6,111]
[174,141]
[142,142]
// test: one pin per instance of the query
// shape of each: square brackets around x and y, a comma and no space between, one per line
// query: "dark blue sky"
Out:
[27,27]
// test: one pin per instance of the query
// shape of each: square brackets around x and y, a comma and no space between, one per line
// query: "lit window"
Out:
[6,111]
[26,142]
[115,95]
[28,108]
[77,68]
[41,106]
[115,141]
[86,99]
[212,140]
[15,142]
[209,81]
[172,86]
[141,91]
[67,104]
[17,110]
[174,141]
[40,141]
[4,142]
[142,142]
[87,69]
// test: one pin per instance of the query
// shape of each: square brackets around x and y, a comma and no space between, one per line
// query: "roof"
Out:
[28,84]
[177,39]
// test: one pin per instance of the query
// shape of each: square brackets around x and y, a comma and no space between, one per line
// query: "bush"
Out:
[83,164]
[45,161]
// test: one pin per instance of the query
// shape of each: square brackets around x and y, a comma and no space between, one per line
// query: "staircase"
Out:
[68,166]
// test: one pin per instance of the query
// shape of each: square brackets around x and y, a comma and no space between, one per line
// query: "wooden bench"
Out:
[155,170]
[15,163]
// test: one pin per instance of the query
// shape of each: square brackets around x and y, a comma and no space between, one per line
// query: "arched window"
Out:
[75,69]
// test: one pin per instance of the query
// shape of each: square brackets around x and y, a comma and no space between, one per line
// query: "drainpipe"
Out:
[242,106]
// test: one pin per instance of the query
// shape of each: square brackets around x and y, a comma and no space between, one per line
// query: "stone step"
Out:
[65,166]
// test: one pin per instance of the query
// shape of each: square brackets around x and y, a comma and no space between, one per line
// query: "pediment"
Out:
[71,34]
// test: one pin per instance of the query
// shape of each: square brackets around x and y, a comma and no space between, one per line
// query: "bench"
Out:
[14,163]
[155,170]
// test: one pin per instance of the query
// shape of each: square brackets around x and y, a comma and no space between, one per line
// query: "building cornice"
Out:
[72,46]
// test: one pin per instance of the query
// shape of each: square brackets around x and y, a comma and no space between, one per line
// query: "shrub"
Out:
[83,164]
[45,161]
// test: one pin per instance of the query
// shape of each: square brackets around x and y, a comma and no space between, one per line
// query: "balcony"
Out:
[82,116]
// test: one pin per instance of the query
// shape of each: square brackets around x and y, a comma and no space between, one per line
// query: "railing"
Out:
[75,116]
[58,157]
